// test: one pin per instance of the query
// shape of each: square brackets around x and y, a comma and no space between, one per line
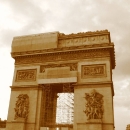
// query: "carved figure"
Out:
[22,106]
[94,105]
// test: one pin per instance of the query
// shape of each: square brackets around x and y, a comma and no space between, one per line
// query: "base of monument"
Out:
[89,126]
[18,124]
[61,128]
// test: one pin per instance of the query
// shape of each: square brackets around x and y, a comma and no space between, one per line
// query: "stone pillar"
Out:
[93,96]
[18,124]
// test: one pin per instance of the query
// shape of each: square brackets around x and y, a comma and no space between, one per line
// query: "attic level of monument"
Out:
[93,44]
[58,40]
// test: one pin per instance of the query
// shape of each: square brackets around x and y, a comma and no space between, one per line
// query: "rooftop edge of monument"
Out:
[88,33]
[58,40]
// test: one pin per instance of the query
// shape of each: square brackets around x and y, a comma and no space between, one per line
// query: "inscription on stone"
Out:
[93,70]
[26,75]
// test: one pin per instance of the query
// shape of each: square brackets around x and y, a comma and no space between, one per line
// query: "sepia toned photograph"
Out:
[64,65]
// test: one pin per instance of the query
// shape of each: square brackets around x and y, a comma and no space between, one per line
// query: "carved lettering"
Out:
[93,70]
[94,105]
[26,75]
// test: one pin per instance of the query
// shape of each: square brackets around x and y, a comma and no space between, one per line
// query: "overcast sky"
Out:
[23,17]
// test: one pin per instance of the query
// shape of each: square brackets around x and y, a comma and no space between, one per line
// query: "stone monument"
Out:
[51,63]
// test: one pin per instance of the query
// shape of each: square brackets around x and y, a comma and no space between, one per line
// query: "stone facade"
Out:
[83,60]
[128,127]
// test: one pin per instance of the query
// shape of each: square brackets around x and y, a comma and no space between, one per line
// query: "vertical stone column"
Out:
[93,96]
[48,108]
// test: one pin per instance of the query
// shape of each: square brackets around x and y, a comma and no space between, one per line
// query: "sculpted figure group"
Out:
[94,105]
[22,106]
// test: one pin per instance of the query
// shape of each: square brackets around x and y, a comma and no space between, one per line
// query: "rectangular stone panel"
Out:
[93,70]
[35,42]
[26,75]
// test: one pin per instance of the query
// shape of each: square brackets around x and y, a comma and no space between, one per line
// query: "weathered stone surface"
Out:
[45,62]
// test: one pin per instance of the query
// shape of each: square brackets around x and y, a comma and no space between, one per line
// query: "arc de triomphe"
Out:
[51,63]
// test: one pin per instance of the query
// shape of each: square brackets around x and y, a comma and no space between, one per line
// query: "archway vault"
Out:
[57,105]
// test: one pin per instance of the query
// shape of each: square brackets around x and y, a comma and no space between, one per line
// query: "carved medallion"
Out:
[93,70]
[94,105]
[22,106]
[26,75]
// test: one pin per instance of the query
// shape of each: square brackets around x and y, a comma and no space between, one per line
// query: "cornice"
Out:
[83,34]
[67,53]
[63,49]
[25,88]
[63,56]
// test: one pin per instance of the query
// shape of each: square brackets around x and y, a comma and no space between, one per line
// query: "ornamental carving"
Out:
[42,58]
[93,70]
[22,106]
[94,105]
[68,88]
[73,66]
[54,50]
[83,41]
[26,75]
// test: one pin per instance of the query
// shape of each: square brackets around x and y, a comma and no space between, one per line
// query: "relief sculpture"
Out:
[73,66]
[22,106]
[93,70]
[26,75]
[94,105]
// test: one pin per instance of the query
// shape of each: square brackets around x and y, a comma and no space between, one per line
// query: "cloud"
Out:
[122,93]
[23,17]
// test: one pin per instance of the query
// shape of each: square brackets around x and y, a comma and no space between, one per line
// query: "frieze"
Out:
[93,70]
[84,41]
[76,55]
[22,106]
[26,75]
[60,49]
[94,106]
[73,66]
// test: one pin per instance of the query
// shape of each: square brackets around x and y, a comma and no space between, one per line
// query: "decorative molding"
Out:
[94,105]
[51,57]
[79,41]
[26,75]
[95,70]
[68,48]
[98,32]
[25,88]
[73,66]
[22,107]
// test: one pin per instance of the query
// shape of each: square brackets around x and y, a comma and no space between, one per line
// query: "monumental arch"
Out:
[51,63]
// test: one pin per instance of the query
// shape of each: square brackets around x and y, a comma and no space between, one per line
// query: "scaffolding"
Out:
[57,106]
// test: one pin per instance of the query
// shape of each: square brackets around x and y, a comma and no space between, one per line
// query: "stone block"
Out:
[35,42]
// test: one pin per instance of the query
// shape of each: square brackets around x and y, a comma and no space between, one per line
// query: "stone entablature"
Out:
[39,48]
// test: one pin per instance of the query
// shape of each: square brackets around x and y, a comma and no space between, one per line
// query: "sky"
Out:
[24,17]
